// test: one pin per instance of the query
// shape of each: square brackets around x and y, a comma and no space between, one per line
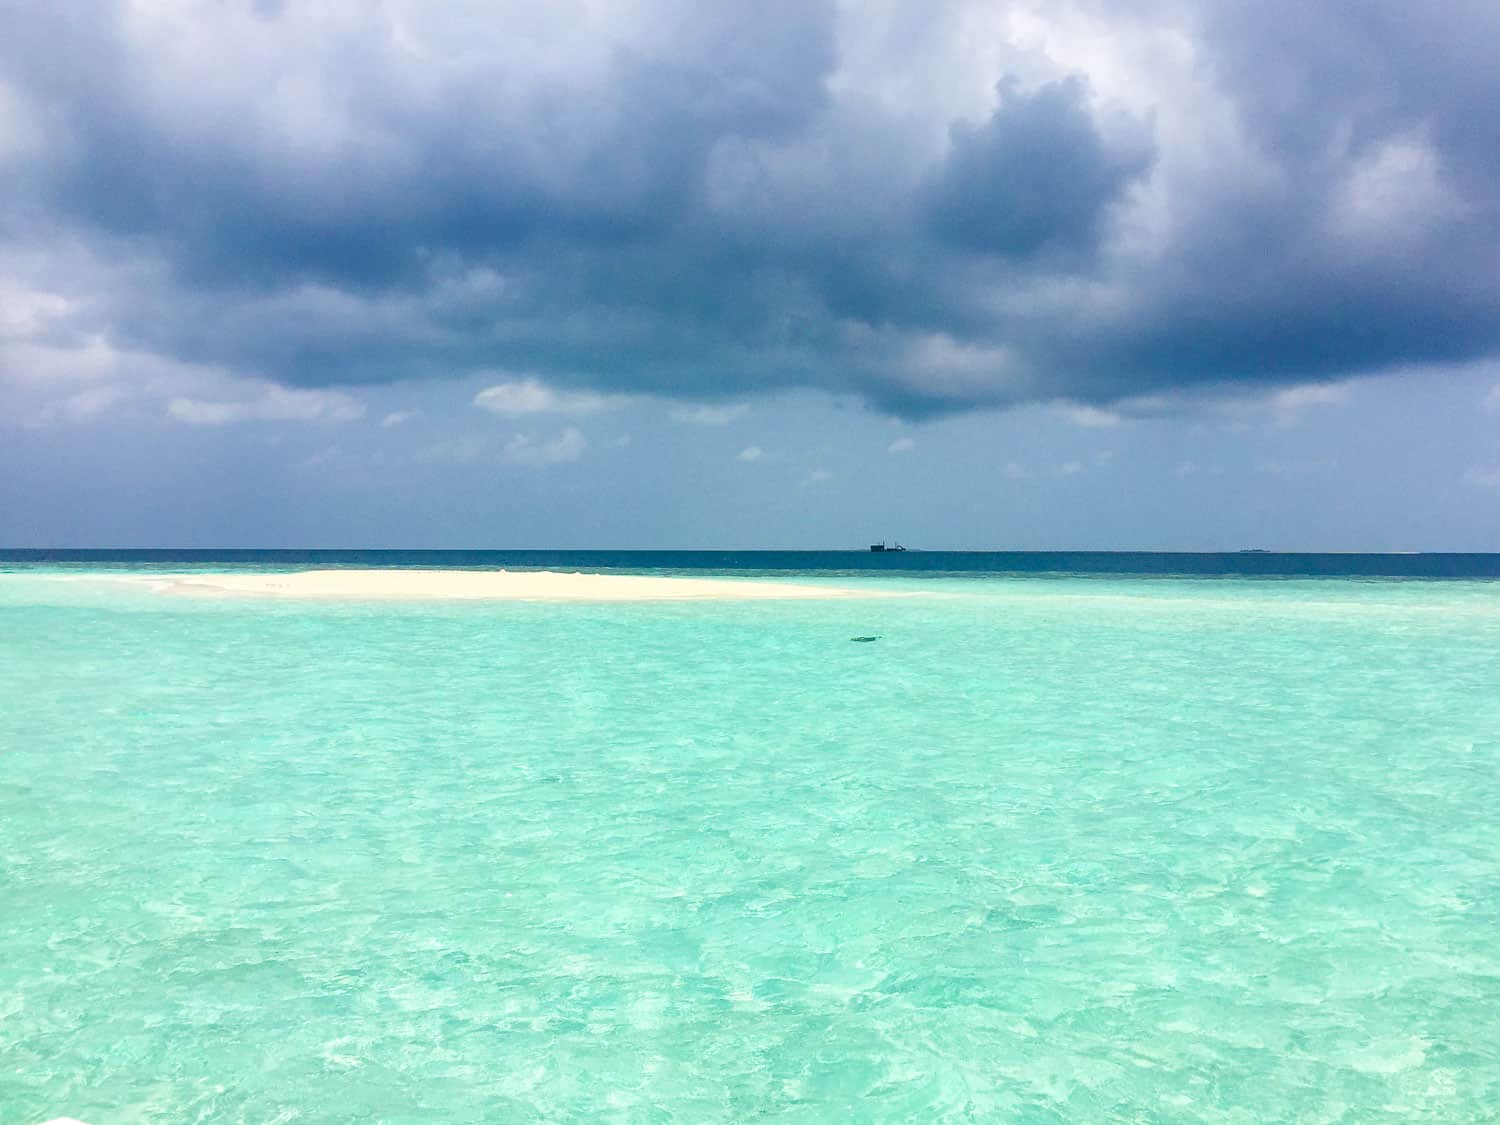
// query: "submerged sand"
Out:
[497,585]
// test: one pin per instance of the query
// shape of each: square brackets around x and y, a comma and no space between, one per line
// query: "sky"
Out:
[1134,274]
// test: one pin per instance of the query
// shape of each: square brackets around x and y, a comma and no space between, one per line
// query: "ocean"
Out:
[1221,564]
[1080,837]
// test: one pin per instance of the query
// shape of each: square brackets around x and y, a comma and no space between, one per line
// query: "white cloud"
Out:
[272,404]
[1080,414]
[901,445]
[397,418]
[1395,195]
[1070,468]
[83,405]
[705,415]
[51,372]
[1238,407]
[26,311]
[21,130]
[524,450]
[1185,469]
[1492,400]
[1310,394]
[1014,470]
[1289,403]
[944,367]
[521,397]
[1481,477]
[751,453]
[818,476]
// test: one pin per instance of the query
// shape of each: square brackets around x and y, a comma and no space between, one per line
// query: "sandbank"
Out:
[493,585]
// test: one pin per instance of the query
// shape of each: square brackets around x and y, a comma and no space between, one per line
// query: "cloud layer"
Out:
[932,208]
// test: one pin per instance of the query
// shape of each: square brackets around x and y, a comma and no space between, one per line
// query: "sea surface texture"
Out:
[1053,848]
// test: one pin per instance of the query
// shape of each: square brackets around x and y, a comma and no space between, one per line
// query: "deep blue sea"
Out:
[1246,564]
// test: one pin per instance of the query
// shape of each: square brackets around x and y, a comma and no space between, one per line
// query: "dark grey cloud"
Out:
[1036,176]
[716,199]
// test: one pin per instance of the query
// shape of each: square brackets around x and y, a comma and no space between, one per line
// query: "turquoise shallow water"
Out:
[1050,850]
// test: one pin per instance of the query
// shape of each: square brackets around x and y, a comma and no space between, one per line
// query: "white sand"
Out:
[498,585]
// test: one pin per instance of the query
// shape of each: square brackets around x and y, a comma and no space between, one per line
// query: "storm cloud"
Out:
[931,207]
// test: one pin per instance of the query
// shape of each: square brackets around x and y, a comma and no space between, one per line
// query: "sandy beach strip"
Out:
[492,585]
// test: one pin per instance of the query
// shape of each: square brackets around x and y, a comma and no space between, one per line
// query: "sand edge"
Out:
[486,585]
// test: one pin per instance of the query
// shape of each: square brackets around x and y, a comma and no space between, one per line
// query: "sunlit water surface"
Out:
[1049,850]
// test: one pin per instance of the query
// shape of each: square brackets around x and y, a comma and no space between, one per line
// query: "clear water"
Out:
[1050,850]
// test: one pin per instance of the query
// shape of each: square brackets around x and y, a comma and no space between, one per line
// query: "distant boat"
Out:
[880,548]
[1254,551]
